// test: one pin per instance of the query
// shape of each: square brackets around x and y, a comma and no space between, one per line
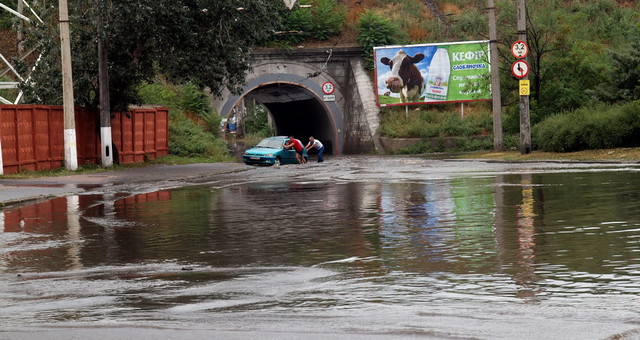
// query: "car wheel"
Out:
[277,161]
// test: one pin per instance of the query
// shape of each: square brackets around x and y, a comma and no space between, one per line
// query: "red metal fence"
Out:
[33,136]
[144,134]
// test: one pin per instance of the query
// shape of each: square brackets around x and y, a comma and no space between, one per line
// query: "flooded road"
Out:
[355,248]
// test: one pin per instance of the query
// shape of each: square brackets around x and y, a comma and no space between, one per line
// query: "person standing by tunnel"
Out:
[297,146]
[314,143]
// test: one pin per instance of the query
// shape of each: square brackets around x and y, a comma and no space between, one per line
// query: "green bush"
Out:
[256,124]
[472,132]
[395,123]
[510,141]
[376,30]
[187,137]
[323,20]
[7,19]
[461,144]
[474,144]
[188,98]
[600,127]
[422,147]
[299,22]
[158,93]
[328,19]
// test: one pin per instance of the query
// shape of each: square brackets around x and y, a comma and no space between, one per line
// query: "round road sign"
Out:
[520,69]
[519,49]
[328,87]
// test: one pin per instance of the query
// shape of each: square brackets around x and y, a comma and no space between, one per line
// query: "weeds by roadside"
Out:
[602,155]
[428,123]
[193,127]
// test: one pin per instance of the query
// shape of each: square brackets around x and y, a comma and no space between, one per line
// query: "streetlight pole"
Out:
[70,151]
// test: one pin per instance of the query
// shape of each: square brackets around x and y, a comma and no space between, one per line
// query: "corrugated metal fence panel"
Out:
[33,136]
[56,136]
[125,150]
[47,155]
[149,133]
[26,136]
[9,140]
[116,135]
[138,135]
[162,132]
[87,136]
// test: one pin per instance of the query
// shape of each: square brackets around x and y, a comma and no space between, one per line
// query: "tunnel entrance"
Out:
[296,111]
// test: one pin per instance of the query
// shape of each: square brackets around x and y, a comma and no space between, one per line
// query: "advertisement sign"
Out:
[432,73]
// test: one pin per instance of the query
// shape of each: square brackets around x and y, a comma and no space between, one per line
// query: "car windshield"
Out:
[270,143]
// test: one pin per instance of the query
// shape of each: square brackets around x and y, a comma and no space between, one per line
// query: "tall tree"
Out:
[204,42]
[571,44]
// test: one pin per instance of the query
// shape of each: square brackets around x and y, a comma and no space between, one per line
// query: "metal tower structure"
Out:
[9,70]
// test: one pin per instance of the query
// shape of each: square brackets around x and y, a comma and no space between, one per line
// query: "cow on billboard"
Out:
[405,77]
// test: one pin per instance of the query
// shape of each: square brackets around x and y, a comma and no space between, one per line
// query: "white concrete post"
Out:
[70,151]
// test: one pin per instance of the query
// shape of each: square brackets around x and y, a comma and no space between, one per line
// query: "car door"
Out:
[289,154]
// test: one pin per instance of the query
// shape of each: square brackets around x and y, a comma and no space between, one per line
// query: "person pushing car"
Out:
[297,145]
[314,143]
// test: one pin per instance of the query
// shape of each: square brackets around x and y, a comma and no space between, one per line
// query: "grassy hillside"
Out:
[422,20]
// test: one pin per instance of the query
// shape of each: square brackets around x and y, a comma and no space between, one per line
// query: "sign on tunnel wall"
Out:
[432,73]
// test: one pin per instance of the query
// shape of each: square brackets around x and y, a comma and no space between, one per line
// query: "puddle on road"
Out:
[440,250]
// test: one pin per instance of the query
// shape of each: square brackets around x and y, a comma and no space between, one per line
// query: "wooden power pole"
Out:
[525,123]
[495,77]
[70,151]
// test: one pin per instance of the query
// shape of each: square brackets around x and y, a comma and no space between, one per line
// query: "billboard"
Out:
[432,73]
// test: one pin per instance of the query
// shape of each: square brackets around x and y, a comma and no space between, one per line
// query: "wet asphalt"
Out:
[14,191]
[365,167]
[346,169]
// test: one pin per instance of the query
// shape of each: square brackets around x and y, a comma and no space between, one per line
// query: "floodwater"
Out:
[521,255]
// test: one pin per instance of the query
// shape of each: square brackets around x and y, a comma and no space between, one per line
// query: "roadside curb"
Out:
[558,161]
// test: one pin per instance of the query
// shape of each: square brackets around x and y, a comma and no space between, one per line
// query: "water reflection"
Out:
[526,238]
[508,238]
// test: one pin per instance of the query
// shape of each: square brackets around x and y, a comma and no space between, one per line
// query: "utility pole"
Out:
[70,151]
[495,77]
[105,106]
[525,123]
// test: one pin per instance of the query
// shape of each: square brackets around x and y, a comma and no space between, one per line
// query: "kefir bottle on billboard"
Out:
[438,79]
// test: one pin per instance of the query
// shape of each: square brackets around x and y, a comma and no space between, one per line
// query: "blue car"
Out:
[271,151]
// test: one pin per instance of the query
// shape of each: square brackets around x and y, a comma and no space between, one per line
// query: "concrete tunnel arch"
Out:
[296,106]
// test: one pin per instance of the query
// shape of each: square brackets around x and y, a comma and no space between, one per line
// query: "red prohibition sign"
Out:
[520,49]
[328,87]
[520,69]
